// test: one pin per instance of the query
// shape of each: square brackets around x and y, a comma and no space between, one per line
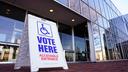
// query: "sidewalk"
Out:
[110,66]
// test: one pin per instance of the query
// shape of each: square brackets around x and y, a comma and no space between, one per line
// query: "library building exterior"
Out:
[89,30]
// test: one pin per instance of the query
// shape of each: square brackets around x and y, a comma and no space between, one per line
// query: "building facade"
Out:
[87,28]
[119,27]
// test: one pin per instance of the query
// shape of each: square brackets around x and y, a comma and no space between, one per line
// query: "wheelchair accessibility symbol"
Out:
[44,29]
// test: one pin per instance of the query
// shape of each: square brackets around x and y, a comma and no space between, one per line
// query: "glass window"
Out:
[97,42]
[112,13]
[102,7]
[110,39]
[118,12]
[91,3]
[106,24]
[80,45]
[66,41]
[8,53]
[65,33]
[10,37]
[66,36]
[109,12]
[120,26]
[119,49]
[69,56]
[81,42]
[102,38]
[10,30]
[97,5]
[65,2]
[100,20]
[106,10]
[106,43]
[108,2]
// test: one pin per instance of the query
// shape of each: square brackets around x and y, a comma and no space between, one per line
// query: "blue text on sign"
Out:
[46,45]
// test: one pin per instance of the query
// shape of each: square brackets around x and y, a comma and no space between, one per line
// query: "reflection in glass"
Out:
[101,2]
[8,53]
[91,3]
[97,43]
[102,32]
[10,30]
[81,42]
[10,36]
[80,45]
[69,56]
[97,5]
[100,20]
[66,40]
[65,2]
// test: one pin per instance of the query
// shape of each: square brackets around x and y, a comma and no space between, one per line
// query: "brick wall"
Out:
[111,66]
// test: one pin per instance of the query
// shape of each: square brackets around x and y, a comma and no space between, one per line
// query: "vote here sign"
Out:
[44,44]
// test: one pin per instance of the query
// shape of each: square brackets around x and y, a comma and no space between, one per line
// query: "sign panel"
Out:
[44,44]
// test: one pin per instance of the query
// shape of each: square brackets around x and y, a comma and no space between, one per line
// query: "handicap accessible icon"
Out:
[43,30]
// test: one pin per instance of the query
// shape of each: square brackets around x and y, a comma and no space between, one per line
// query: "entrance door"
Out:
[81,42]
[80,51]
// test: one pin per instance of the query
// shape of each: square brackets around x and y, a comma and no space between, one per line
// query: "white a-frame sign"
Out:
[40,45]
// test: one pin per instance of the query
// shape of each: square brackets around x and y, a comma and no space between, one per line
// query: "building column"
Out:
[91,43]
[73,44]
